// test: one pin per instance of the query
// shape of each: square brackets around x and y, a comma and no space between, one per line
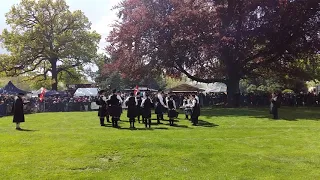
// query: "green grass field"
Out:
[227,144]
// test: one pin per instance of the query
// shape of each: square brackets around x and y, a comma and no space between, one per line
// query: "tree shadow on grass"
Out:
[285,113]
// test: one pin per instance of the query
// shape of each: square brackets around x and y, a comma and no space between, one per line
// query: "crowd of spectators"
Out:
[255,100]
[68,104]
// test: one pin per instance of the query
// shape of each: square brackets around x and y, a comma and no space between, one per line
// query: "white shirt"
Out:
[161,100]
[186,104]
[104,98]
[193,103]
[118,97]
[197,98]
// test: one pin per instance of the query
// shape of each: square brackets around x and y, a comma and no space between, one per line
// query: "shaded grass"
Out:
[227,144]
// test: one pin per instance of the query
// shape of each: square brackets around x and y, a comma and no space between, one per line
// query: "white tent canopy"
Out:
[86,92]
[37,92]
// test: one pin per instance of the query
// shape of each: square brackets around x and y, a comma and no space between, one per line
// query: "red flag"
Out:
[43,91]
[136,90]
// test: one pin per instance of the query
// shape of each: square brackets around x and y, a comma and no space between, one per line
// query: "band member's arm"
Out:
[161,100]
[142,104]
[174,105]
[126,100]
[136,101]
[119,98]
[197,98]
[193,103]
[184,104]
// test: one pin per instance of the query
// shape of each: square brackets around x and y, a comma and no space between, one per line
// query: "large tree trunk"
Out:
[54,72]
[233,91]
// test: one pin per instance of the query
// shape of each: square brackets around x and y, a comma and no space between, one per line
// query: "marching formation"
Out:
[140,108]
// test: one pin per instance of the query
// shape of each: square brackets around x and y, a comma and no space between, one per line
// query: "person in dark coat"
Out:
[17,108]
[102,103]
[115,108]
[131,102]
[172,113]
[275,104]
[146,105]
[195,110]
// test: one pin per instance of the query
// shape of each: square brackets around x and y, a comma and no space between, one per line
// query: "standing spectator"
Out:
[18,114]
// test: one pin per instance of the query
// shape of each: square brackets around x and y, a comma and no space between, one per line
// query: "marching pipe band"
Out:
[140,107]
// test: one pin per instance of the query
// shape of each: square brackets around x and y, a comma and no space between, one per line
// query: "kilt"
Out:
[139,111]
[188,111]
[146,113]
[115,111]
[103,112]
[132,112]
[159,109]
[172,113]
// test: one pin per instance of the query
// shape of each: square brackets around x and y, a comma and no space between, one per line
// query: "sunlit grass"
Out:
[228,144]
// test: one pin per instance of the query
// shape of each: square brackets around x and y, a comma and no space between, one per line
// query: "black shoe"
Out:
[103,125]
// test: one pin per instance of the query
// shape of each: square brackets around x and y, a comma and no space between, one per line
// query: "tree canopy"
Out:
[109,78]
[46,38]
[209,41]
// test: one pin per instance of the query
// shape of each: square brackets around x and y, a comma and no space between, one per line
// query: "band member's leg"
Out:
[18,126]
[116,122]
[113,121]
[108,118]
[133,122]
[275,113]
[130,120]
[102,121]
[145,122]
[193,119]
[158,118]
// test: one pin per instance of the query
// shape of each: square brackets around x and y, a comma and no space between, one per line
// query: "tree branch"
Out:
[181,69]
[70,74]
[68,67]
[37,76]
[19,67]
